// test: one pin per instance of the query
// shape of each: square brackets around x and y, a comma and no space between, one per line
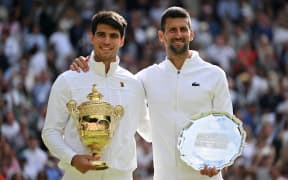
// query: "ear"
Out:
[161,35]
[191,35]
[122,41]
[91,37]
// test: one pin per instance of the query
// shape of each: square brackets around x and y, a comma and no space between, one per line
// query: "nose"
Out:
[107,40]
[178,33]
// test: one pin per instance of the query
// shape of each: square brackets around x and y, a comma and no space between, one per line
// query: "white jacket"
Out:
[173,96]
[119,87]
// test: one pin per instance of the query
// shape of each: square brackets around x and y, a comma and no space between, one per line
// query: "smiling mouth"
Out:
[178,44]
[106,49]
[178,41]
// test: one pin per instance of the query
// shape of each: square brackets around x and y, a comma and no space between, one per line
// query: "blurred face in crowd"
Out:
[176,36]
[106,42]
[33,143]
[10,118]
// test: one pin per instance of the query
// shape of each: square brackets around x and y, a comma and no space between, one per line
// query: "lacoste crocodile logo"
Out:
[195,84]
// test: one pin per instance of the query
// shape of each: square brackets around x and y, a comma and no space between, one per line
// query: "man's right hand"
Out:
[80,63]
[83,162]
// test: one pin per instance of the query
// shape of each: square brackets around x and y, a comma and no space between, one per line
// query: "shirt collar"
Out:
[99,67]
[167,64]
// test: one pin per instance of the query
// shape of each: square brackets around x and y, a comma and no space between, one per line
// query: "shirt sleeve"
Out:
[144,127]
[222,99]
[56,120]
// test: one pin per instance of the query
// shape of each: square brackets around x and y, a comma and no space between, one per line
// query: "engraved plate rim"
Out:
[194,119]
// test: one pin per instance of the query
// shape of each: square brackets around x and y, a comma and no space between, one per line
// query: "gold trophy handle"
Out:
[118,113]
[73,111]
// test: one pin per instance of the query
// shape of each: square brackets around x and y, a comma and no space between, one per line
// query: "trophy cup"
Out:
[96,121]
[212,139]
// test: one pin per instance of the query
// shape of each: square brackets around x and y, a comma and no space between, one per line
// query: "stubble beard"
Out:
[178,51]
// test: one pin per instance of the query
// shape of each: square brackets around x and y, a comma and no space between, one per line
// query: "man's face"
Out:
[106,42]
[176,36]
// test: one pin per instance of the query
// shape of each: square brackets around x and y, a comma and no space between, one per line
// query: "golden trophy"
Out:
[96,121]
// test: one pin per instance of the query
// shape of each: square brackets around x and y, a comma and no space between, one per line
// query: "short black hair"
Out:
[174,12]
[110,18]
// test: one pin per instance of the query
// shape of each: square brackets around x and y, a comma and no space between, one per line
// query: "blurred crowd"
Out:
[247,38]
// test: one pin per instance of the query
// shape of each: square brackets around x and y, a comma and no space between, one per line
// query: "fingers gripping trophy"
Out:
[96,121]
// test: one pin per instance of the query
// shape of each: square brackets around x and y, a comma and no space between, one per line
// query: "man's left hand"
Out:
[208,171]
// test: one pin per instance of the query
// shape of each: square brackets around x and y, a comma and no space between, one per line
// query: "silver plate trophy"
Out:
[212,139]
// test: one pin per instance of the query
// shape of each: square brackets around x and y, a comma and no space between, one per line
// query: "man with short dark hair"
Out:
[118,86]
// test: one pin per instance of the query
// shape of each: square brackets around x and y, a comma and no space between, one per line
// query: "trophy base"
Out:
[99,165]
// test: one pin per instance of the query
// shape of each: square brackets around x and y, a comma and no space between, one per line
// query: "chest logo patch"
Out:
[195,84]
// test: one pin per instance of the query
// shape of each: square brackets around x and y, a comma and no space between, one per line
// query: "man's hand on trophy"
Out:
[83,162]
[80,63]
[208,171]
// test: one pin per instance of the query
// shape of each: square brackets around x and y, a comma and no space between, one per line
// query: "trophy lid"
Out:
[94,95]
[95,105]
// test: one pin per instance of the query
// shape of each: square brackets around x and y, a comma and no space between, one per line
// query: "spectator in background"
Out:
[41,89]
[208,15]
[63,47]
[246,55]
[145,159]
[10,162]
[10,127]
[204,38]
[251,86]
[35,159]
[221,53]
[35,38]
[37,61]
[228,9]
[281,165]
[23,136]
[238,37]
[284,58]
[11,46]
[264,26]
[51,169]
[18,176]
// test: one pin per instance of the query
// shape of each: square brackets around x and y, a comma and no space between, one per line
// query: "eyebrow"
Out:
[110,34]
